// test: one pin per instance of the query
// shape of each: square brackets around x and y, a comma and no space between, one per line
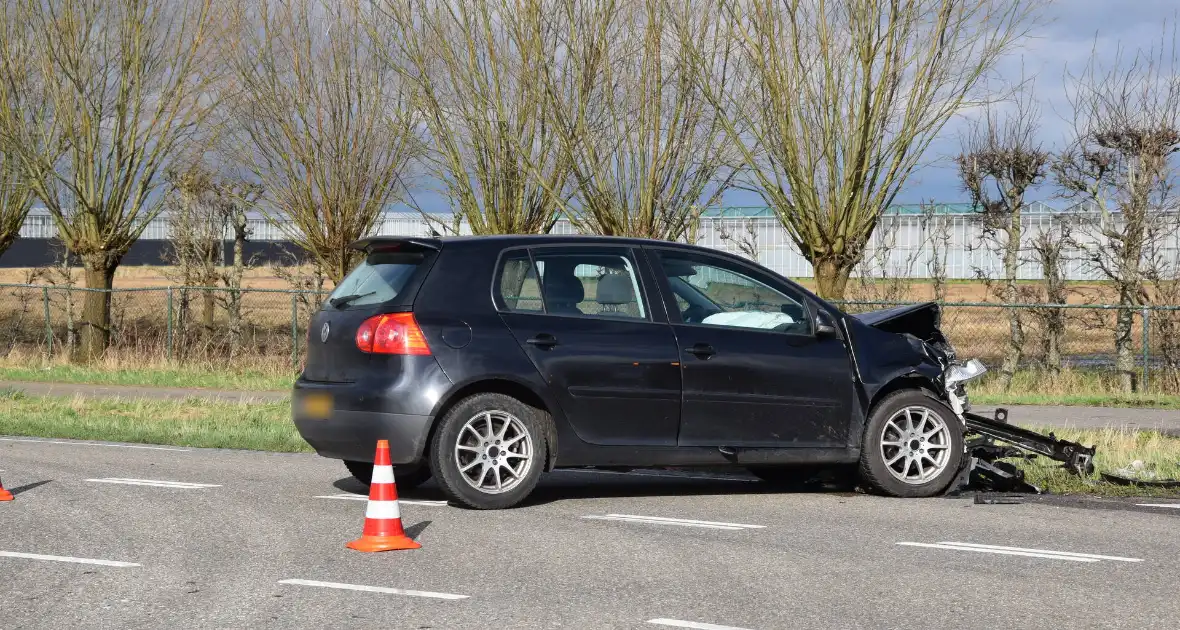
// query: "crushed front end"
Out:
[987,440]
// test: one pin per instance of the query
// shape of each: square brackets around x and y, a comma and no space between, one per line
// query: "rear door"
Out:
[385,282]
[584,318]
[754,373]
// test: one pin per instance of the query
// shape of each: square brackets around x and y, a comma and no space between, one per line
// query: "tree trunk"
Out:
[1124,362]
[235,289]
[831,278]
[96,311]
[207,309]
[1011,295]
[1052,346]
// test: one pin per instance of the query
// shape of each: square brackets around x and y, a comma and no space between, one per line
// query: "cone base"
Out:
[382,543]
[6,495]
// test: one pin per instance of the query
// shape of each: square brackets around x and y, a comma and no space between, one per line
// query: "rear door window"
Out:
[379,279]
[577,281]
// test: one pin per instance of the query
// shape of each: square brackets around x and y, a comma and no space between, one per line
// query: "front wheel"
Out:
[913,446]
[489,451]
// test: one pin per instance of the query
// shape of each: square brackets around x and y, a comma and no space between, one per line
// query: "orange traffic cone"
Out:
[4,494]
[383,522]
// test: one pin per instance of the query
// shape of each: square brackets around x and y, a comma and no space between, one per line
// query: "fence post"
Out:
[1146,346]
[48,322]
[294,331]
[168,327]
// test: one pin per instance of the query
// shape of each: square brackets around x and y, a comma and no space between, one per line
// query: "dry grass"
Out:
[128,277]
[1070,387]
[248,373]
[1119,448]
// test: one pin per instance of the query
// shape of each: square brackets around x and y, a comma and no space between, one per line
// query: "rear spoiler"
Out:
[395,244]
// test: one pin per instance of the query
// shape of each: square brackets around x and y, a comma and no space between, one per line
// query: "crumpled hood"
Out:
[919,320]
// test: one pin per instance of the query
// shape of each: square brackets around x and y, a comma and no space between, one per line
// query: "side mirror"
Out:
[825,326]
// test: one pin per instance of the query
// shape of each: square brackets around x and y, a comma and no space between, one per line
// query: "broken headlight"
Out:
[963,372]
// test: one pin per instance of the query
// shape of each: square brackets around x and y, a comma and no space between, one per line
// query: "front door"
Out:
[582,316]
[754,373]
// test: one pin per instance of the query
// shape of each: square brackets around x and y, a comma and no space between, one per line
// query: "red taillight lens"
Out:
[393,333]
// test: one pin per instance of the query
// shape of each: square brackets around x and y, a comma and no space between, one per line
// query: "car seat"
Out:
[563,291]
[615,293]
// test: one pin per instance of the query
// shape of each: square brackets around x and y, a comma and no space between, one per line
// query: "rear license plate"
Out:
[317,405]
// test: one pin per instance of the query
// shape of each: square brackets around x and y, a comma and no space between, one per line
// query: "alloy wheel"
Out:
[915,445]
[494,452]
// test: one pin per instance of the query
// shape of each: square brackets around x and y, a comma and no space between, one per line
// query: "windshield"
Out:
[380,278]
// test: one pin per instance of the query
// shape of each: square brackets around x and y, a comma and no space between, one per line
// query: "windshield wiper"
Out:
[343,300]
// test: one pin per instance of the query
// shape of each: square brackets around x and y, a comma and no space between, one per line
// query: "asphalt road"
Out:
[213,554]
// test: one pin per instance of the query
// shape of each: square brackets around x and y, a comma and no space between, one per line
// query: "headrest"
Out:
[615,289]
[563,287]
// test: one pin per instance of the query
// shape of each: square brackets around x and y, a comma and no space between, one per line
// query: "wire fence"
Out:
[226,327]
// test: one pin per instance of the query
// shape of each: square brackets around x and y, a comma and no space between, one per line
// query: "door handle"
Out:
[701,350]
[543,341]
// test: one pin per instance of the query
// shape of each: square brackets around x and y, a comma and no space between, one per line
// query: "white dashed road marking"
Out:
[373,589]
[357,497]
[683,522]
[150,448]
[37,556]
[696,625]
[1021,551]
[183,485]
[1160,505]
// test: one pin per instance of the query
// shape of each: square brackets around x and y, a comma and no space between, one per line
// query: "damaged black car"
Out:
[487,361]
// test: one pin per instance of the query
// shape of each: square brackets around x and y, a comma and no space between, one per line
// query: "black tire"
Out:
[874,471]
[443,447]
[406,477]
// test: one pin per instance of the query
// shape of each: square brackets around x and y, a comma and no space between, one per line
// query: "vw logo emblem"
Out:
[324,332]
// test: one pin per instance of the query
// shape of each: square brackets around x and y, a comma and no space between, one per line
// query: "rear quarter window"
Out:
[380,278]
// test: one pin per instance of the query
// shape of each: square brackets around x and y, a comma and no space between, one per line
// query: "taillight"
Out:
[392,333]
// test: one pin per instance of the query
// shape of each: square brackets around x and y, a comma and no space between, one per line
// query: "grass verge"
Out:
[193,422]
[159,376]
[1072,388]
[1117,449]
[1131,401]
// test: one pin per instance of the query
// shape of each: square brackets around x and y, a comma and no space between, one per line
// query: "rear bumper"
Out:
[353,435]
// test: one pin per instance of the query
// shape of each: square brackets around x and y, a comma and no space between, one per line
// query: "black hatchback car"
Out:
[486,361]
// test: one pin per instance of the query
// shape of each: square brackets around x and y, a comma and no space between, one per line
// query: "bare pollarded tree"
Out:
[21,101]
[477,70]
[1000,160]
[1121,164]
[844,98]
[16,198]
[327,126]
[647,147]
[120,85]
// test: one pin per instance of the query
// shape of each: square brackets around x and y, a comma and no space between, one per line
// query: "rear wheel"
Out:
[489,451]
[913,446]
[406,477]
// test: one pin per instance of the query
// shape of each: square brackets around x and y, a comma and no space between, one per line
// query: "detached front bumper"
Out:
[1078,459]
[982,450]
